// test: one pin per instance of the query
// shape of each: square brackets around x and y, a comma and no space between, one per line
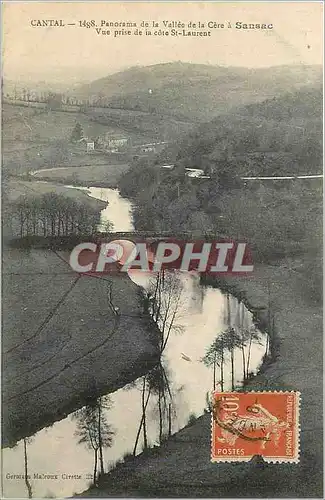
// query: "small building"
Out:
[90,146]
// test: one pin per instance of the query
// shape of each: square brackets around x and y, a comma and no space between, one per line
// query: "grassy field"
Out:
[181,467]
[95,175]
[37,125]
[62,341]
[31,137]
[16,188]
[35,138]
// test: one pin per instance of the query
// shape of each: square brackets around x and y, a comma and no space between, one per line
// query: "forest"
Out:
[277,218]
[279,136]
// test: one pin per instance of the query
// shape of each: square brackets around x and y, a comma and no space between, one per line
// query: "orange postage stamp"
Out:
[245,424]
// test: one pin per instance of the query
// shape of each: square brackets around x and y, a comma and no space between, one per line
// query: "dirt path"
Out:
[181,466]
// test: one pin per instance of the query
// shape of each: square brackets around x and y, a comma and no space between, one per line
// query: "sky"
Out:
[74,53]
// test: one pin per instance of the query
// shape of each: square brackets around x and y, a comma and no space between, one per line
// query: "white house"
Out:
[89,143]
[90,146]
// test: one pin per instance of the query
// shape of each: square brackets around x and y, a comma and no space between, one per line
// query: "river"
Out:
[202,315]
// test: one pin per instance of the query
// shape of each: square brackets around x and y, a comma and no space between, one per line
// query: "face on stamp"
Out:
[245,424]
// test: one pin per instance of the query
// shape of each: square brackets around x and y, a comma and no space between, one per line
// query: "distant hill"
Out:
[195,91]
[282,135]
[12,86]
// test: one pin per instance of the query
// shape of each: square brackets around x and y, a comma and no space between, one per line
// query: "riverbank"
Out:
[181,467]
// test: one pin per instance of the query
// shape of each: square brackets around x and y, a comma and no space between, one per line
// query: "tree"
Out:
[58,153]
[94,431]
[27,482]
[155,383]
[215,356]
[77,133]
[243,334]
[230,342]
[145,396]
[21,214]
[165,292]
[227,341]
[54,101]
[252,335]
[54,215]
[160,387]
[107,226]
[246,336]
[162,303]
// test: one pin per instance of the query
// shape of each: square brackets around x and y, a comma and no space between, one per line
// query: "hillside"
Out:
[282,135]
[189,91]
[34,138]
[34,125]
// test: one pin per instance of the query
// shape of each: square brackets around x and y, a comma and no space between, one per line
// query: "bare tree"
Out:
[54,215]
[231,345]
[156,383]
[27,482]
[94,430]
[246,337]
[145,396]
[165,293]
[215,356]
[252,336]
[162,302]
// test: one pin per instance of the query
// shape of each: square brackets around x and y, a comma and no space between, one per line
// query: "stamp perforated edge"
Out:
[272,460]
